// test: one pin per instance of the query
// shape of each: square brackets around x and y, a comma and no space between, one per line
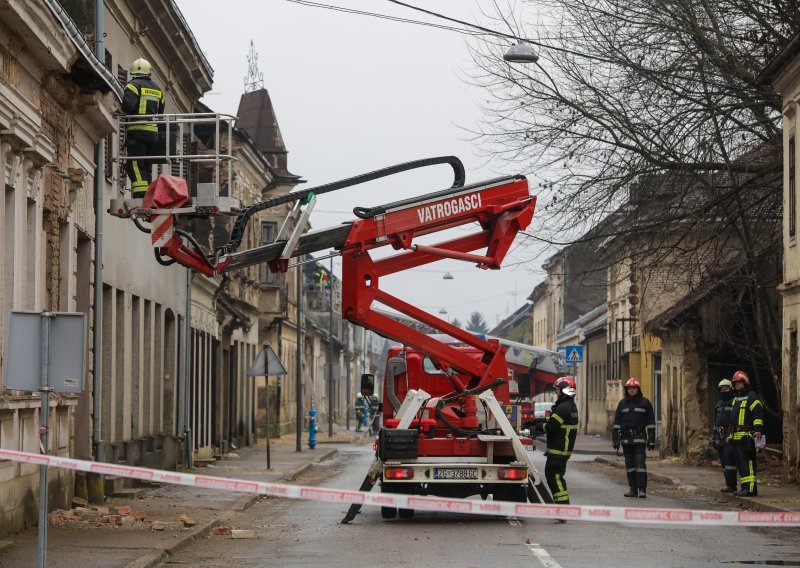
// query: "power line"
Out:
[311,4]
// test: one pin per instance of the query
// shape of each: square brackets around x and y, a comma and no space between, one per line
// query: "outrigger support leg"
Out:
[538,492]
[408,410]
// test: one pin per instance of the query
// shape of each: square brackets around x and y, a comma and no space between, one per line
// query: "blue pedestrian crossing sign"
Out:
[573,354]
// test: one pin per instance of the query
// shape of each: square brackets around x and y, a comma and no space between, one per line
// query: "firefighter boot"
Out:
[632,492]
[642,493]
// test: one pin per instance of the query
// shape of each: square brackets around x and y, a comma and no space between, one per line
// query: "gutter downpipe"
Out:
[186,378]
[97,307]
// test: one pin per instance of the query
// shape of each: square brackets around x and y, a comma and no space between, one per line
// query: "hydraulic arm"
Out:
[498,208]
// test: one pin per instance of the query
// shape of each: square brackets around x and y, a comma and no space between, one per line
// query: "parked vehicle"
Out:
[534,418]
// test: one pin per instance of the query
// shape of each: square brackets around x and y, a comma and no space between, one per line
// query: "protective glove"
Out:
[615,444]
[651,445]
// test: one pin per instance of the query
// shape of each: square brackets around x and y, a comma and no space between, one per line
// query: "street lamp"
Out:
[521,53]
[447,276]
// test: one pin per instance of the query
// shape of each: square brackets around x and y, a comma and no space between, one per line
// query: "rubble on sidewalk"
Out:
[99,516]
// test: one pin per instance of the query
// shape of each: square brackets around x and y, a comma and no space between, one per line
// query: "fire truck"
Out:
[466,439]
[445,431]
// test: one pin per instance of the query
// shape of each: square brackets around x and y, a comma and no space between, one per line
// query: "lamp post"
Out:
[522,52]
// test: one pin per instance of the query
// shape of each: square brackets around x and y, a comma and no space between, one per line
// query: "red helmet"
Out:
[566,385]
[633,382]
[740,376]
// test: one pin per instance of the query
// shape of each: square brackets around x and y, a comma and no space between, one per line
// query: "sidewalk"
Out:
[144,529]
[774,494]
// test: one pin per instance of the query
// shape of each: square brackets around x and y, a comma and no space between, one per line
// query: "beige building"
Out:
[783,73]
[55,105]
[144,414]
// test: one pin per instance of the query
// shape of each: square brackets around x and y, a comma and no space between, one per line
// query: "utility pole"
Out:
[299,361]
[330,355]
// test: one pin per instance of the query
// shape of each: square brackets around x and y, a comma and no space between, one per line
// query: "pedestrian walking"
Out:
[634,428]
[722,432]
[747,420]
[561,428]
[142,97]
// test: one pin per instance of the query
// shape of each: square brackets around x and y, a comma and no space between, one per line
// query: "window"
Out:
[268,231]
[792,197]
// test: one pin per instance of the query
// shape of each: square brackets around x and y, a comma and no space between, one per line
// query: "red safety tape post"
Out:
[424,503]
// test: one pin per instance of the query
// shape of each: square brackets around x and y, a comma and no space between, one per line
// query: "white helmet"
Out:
[140,67]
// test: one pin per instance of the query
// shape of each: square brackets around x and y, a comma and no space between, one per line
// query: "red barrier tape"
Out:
[347,497]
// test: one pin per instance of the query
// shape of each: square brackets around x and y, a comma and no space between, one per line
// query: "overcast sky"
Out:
[353,94]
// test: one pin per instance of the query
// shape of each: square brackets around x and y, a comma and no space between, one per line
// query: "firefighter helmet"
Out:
[140,67]
[725,383]
[566,385]
[740,376]
[633,382]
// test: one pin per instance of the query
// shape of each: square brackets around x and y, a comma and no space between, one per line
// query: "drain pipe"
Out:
[99,185]
[187,372]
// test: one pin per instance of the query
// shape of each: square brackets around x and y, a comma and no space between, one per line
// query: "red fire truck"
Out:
[458,450]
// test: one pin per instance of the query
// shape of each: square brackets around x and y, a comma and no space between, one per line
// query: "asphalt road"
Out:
[294,533]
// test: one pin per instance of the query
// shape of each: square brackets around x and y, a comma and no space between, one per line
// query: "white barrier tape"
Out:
[475,507]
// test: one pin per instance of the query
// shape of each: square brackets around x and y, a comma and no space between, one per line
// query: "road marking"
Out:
[513,521]
[542,556]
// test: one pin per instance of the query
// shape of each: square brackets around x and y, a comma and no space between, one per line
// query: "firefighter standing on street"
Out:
[142,97]
[722,431]
[561,429]
[747,420]
[634,427]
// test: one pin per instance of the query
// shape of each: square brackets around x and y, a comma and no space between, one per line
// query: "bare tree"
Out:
[643,120]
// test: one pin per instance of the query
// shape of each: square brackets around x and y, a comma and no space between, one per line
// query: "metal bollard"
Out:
[312,428]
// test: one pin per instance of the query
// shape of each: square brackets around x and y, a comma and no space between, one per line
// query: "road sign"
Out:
[274,368]
[573,354]
[66,350]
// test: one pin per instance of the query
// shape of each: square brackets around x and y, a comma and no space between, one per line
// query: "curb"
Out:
[158,555]
[297,472]
[743,502]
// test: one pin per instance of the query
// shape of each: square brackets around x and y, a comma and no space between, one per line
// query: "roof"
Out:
[708,286]
[257,118]
[789,52]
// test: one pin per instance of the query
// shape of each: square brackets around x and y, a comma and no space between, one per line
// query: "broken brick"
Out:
[221,531]
[78,502]
[187,521]
[123,510]
[140,515]
[157,526]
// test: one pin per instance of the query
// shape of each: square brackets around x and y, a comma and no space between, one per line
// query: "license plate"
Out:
[455,473]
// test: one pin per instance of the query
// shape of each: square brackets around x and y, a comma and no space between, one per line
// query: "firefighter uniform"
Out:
[142,97]
[723,428]
[635,428]
[747,418]
[561,429]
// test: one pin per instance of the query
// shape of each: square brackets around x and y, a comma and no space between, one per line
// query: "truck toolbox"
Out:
[397,444]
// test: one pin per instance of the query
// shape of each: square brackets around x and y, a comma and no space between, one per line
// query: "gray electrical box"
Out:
[66,352]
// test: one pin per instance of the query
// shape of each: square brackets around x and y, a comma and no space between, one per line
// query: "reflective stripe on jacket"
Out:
[562,428]
[634,415]
[747,415]
[143,97]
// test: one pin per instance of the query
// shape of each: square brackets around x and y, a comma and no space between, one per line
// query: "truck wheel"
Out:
[405,513]
[389,512]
